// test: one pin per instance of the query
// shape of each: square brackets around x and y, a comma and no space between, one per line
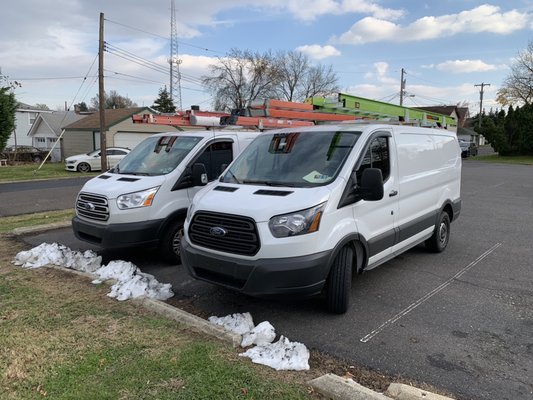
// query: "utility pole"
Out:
[482,85]
[101,96]
[402,87]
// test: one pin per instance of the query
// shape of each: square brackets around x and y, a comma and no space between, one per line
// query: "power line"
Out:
[165,37]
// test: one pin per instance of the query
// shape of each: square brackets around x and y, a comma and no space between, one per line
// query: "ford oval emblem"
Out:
[218,231]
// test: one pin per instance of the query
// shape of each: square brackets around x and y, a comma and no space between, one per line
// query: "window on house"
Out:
[32,117]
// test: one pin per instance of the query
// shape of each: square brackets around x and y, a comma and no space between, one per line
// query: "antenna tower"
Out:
[174,60]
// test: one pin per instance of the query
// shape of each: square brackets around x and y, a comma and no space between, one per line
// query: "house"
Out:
[47,128]
[465,130]
[83,136]
[25,116]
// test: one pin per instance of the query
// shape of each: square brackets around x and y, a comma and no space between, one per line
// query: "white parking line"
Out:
[423,299]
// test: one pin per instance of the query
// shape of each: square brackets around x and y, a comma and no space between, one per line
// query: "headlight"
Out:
[297,223]
[71,161]
[137,199]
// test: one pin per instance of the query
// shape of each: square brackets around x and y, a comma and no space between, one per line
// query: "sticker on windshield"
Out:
[316,177]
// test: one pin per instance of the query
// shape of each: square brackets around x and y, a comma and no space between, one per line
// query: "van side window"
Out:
[377,156]
[215,157]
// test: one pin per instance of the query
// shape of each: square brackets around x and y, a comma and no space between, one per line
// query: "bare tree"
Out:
[518,86]
[320,80]
[293,66]
[242,77]
[113,100]
[300,79]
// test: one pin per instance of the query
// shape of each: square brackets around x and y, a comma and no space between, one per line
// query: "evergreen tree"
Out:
[8,106]
[164,103]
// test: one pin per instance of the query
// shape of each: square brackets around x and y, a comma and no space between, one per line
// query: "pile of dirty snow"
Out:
[130,282]
[281,355]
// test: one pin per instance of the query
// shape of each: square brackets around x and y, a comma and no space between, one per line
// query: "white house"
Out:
[47,128]
[25,116]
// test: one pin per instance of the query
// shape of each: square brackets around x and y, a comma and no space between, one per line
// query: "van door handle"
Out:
[393,193]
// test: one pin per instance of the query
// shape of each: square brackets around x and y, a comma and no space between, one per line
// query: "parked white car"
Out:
[92,162]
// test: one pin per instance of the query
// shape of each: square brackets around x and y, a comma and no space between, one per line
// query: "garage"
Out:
[130,139]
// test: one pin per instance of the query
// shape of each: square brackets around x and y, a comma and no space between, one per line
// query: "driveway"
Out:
[460,320]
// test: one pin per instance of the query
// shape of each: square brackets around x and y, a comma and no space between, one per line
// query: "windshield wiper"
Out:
[136,173]
[267,183]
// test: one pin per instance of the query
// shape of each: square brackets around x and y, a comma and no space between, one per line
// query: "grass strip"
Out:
[28,172]
[7,224]
[526,160]
[63,338]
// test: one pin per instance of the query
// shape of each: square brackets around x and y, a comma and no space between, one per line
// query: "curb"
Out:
[334,387]
[331,386]
[193,322]
[40,228]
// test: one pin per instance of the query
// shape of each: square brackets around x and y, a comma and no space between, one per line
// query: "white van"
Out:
[143,201]
[300,210]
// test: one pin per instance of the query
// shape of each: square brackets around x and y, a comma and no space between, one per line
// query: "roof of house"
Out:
[446,110]
[27,107]
[112,117]
[55,121]
[462,112]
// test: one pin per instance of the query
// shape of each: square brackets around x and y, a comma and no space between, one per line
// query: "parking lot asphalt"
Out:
[461,320]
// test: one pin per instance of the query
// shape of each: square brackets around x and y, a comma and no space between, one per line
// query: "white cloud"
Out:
[485,18]
[319,52]
[309,10]
[466,66]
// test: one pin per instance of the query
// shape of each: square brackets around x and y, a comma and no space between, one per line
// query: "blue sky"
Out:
[446,47]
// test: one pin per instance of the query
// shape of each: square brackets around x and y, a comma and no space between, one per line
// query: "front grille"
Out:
[225,232]
[92,206]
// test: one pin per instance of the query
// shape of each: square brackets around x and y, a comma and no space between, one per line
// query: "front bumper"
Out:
[117,235]
[302,276]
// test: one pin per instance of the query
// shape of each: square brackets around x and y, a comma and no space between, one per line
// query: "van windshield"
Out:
[296,159]
[157,155]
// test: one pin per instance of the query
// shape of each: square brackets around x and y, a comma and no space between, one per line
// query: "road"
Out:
[460,320]
[34,196]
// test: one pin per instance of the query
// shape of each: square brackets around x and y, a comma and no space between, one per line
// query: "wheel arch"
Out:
[360,250]
[174,216]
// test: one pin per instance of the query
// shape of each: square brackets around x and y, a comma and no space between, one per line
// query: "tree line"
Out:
[509,133]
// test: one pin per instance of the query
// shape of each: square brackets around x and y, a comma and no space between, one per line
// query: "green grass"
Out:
[26,172]
[527,160]
[7,224]
[87,346]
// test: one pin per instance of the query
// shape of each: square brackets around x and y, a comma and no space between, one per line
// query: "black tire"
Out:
[170,244]
[339,282]
[439,241]
[37,159]
[84,167]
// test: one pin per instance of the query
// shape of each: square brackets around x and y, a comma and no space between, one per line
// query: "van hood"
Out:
[114,185]
[258,202]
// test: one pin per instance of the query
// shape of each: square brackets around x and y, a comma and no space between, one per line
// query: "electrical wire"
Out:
[164,37]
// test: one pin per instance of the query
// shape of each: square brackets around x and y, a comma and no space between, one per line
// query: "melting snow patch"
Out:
[130,281]
[262,334]
[282,355]
[237,323]
[57,254]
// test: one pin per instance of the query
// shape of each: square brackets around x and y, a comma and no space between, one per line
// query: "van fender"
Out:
[360,247]
[175,215]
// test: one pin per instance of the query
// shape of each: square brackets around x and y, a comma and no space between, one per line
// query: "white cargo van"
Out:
[143,201]
[300,210]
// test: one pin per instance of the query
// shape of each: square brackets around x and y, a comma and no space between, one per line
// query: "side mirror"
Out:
[371,186]
[199,175]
